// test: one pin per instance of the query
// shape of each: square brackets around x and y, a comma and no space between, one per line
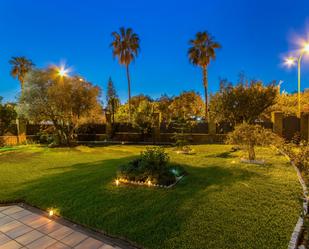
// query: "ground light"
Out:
[51,213]
[117,182]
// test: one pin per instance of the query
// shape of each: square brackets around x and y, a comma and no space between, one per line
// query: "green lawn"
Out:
[221,204]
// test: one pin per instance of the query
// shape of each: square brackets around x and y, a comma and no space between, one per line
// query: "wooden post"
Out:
[304,126]
[21,130]
[109,126]
[277,119]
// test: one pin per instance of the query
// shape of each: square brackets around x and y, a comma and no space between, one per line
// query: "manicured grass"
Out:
[221,203]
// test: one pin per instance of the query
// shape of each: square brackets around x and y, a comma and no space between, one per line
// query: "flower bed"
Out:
[152,168]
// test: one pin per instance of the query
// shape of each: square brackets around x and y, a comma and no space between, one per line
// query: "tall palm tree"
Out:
[202,51]
[126,47]
[20,67]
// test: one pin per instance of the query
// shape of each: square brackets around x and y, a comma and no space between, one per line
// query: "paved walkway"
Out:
[22,228]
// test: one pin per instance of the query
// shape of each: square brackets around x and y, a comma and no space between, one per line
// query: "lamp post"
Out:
[290,62]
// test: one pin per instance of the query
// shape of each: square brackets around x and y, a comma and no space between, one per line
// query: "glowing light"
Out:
[306,47]
[149,183]
[62,72]
[290,61]
[51,213]
[117,182]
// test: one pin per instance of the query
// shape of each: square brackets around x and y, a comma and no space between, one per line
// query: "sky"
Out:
[255,36]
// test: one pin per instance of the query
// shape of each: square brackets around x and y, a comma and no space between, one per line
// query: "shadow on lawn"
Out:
[85,193]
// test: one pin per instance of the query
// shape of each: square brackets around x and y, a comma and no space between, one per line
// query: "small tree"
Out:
[249,136]
[112,99]
[7,116]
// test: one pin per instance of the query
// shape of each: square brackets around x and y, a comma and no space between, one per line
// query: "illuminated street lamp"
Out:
[62,72]
[290,61]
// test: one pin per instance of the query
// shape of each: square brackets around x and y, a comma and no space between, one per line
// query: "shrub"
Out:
[249,136]
[152,165]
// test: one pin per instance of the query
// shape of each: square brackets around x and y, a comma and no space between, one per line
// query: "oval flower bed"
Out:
[152,168]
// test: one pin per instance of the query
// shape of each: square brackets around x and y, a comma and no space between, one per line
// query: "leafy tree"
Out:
[20,67]
[112,99]
[162,106]
[288,103]
[188,105]
[241,103]
[249,136]
[126,47]
[7,116]
[142,117]
[202,51]
[66,102]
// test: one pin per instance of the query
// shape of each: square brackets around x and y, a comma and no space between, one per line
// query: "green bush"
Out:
[152,165]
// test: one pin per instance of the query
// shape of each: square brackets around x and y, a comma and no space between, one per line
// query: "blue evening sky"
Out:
[255,35]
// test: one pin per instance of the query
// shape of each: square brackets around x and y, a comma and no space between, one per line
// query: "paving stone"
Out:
[61,233]
[89,243]
[39,222]
[20,214]
[18,231]
[42,243]
[29,237]
[59,245]
[74,238]
[4,207]
[4,239]
[12,210]
[29,218]
[5,220]
[11,245]
[107,247]
[8,226]
[2,215]
[49,227]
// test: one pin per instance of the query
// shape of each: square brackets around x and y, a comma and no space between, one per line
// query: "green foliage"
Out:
[153,164]
[7,116]
[181,141]
[112,99]
[67,102]
[242,103]
[249,136]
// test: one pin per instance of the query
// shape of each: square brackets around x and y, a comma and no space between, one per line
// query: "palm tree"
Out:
[20,67]
[126,47]
[202,51]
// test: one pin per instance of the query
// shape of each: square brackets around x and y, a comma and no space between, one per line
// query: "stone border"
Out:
[99,235]
[293,244]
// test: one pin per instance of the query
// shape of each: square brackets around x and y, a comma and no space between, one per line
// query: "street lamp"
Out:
[62,72]
[290,61]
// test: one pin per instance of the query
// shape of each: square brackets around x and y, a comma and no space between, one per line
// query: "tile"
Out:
[18,231]
[89,243]
[12,210]
[49,227]
[39,222]
[20,214]
[11,245]
[61,233]
[4,207]
[74,238]
[59,245]
[107,247]
[29,218]
[8,226]
[42,243]
[29,237]
[5,220]
[4,239]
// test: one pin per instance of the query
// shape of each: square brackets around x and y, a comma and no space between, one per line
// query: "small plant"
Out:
[152,165]
[249,136]
[181,140]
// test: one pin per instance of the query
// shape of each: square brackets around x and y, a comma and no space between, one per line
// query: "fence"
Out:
[199,133]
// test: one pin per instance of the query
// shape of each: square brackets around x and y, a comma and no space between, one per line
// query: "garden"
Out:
[219,203]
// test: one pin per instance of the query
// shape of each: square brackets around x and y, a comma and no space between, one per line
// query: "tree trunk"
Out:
[129,91]
[205,83]
[251,152]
